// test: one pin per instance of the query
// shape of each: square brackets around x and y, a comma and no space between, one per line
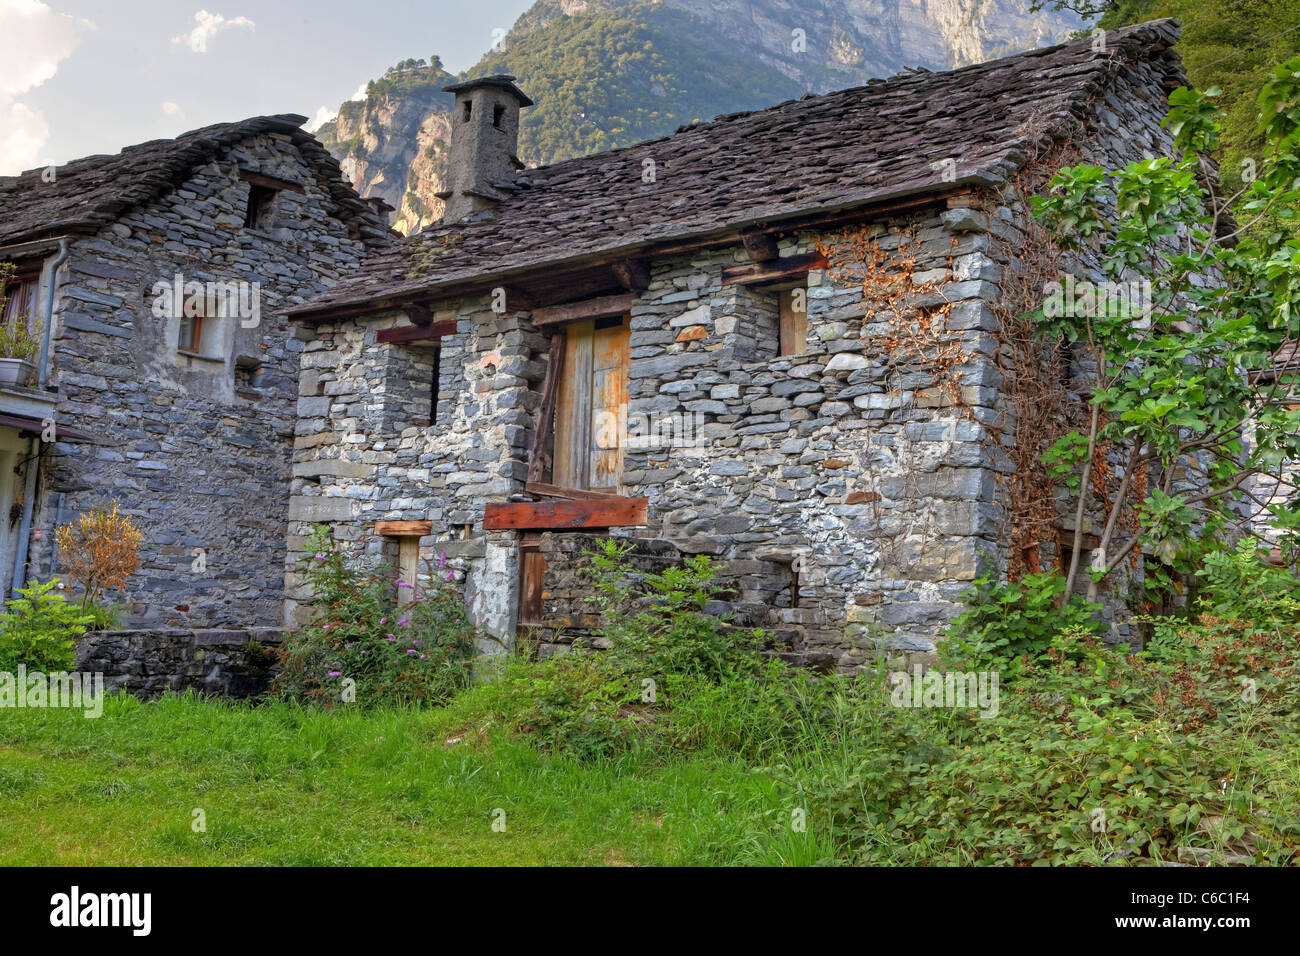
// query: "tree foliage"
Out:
[1180,383]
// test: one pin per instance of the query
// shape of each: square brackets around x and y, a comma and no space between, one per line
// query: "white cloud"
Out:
[34,41]
[171,109]
[360,94]
[208,26]
[323,116]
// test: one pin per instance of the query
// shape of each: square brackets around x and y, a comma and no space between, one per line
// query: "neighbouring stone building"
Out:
[779,338]
[157,279]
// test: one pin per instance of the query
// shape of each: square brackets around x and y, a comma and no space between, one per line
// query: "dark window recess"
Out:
[468,110]
[498,116]
[433,389]
[612,322]
[248,372]
[257,216]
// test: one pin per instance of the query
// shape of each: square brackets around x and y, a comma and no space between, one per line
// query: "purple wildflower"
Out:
[442,559]
[423,656]
[410,652]
[403,622]
[392,638]
[336,673]
[451,575]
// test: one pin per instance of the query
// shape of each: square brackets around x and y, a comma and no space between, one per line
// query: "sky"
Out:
[79,77]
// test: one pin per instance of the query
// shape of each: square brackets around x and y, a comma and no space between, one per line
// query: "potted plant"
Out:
[19,345]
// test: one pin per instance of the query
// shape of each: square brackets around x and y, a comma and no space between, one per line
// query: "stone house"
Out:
[156,280]
[782,339]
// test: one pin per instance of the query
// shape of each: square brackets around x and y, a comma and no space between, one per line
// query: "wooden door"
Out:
[532,581]
[591,408]
[408,565]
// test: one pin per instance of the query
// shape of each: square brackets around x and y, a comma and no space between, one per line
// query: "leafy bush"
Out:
[40,630]
[1006,621]
[591,705]
[414,653]
[672,633]
[1239,583]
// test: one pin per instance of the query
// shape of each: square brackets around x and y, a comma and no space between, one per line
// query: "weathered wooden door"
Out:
[591,408]
[408,564]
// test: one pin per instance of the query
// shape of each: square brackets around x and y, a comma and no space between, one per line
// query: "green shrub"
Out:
[1241,583]
[1008,621]
[40,630]
[360,636]
[672,633]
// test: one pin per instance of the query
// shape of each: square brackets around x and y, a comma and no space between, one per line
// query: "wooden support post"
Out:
[540,462]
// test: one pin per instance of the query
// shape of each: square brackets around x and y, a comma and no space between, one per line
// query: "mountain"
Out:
[609,73]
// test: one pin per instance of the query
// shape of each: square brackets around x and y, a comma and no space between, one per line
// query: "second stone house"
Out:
[155,281]
[779,338]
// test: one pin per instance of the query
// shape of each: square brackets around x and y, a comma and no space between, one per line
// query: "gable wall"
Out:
[199,459]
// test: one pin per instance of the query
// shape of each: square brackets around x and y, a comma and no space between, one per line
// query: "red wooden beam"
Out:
[556,514]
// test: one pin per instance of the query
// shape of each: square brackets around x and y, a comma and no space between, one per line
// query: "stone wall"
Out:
[885,498]
[195,448]
[149,663]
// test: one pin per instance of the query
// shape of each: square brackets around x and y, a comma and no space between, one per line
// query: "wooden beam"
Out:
[270,182]
[543,490]
[517,300]
[778,270]
[633,274]
[416,333]
[403,529]
[534,515]
[760,245]
[540,461]
[601,307]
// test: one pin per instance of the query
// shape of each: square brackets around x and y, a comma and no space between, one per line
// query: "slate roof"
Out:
[834,151]
[88,194]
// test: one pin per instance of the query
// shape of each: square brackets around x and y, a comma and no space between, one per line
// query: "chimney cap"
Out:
[500,80]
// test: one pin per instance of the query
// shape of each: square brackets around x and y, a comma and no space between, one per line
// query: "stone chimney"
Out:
[484,136]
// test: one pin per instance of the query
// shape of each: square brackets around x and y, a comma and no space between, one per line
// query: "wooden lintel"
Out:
[778,270]
[416,333]
[600,307]
[540,461]
[633,274]
[403,529]
[543,490]
[517,300]
[558,514]
[270,182]
[760,245]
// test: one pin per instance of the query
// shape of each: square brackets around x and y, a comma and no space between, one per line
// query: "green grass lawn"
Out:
[284,786]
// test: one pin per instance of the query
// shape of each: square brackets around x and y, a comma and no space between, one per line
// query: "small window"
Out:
[258,213]
[191,334]
[498,116]
[794,319]
[19,296]
[467,110]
